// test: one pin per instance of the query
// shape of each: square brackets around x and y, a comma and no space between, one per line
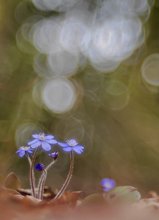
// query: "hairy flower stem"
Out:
[41,185]
[31,174]
[31,177]
[68,178]
[42,181]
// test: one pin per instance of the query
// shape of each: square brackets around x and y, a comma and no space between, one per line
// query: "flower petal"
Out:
[78,149]
[35,136]
[49,137]
[20,153]
[29,151]
[46,146]
[36,144]
[62,144]
[32,142]
[53,141]
[67,149]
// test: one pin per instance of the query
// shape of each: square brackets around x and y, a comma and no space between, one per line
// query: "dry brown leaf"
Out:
[12,181]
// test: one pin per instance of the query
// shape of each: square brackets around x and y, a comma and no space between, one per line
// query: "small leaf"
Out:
[123,193]
[94,199]
[12,181]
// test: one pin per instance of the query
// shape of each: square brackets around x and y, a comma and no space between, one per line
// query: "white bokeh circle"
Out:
[59,95]
[150,69]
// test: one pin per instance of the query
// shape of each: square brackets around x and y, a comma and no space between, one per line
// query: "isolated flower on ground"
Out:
[42,140]
[71,145]
[22,151]
[107,184]
[54,155]
[39,167]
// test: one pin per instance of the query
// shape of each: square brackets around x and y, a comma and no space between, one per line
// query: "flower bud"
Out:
[39,167]
[54,155]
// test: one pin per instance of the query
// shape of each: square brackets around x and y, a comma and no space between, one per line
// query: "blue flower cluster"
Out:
[46,142]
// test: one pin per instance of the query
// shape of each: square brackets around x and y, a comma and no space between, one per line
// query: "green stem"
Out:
[68,178]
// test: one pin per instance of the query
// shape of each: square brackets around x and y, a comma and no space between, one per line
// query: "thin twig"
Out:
[68,178]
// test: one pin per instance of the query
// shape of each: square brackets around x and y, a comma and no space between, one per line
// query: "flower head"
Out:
[39,167]
[71,145]
[22,151]
[42,140]
[54,155]
[107,184]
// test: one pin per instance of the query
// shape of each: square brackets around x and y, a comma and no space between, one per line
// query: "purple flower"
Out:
[22,151]
[45,141]
[71,145]
[39,167]
[54,155]
[107,184]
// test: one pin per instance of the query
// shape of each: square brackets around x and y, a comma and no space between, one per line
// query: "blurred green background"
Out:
[117,124]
